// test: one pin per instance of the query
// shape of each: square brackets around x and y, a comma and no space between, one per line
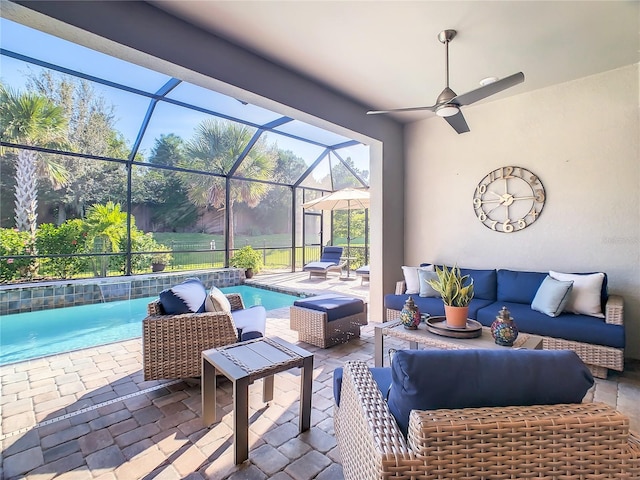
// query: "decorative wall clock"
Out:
[509,199]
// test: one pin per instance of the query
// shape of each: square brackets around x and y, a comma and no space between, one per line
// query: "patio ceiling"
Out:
[385,54]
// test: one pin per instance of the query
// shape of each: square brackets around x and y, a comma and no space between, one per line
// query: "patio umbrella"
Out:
[345,199]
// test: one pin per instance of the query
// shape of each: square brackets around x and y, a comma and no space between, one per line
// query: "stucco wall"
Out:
[582,139]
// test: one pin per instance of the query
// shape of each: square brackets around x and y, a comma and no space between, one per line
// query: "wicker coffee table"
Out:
[243,363]
[422,336]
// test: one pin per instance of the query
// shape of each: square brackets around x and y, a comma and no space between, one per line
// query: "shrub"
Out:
[14,243]
[69,238]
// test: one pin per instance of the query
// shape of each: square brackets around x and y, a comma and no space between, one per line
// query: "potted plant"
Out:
[456,291]
[249,259]
[159,261]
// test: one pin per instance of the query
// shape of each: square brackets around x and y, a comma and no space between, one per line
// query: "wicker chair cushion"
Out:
[217,301]
[381,375]
[434,379]
[335,306]
[186,297]
[251,322]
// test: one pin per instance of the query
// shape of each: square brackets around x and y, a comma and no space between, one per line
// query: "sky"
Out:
[130,108]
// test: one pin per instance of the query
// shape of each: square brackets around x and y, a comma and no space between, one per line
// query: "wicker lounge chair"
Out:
[172,344]
[329,262]
[590,440]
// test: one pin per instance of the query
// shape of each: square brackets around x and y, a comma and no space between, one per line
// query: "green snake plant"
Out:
[451,286]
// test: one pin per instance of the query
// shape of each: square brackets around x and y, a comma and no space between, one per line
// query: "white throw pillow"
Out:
[217,301]
[411,278]
[585,296]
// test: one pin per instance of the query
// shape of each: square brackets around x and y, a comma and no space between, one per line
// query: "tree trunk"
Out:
[26,203]
[26,195]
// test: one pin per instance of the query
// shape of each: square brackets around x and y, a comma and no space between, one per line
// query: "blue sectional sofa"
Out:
[598,341]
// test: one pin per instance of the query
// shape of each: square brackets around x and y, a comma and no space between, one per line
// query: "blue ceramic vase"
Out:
[410,315]
[503,329]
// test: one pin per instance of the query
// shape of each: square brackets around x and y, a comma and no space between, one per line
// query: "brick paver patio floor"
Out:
[90,415]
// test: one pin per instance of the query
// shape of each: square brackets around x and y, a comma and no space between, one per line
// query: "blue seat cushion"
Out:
[519,287]
[434,379]
[186,297]
[319,266]
[364,270]
[381,375]
[335,306]
[569,326]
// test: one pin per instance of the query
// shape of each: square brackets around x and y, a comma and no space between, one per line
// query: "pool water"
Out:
[30,335]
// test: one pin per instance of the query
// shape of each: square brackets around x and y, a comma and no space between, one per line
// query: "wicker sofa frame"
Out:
[598,358]
[314,328]
[172,345]
[569,441]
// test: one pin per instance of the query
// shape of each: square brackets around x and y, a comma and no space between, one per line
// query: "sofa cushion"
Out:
[186,297]
[381,375]
[484,283]
[335,306]
[412,278]
[586,295]
[427,290]
[434,379]
[518,287]
[552,296]
[568,326]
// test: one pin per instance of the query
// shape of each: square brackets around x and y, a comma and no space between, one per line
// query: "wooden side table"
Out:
[243,363]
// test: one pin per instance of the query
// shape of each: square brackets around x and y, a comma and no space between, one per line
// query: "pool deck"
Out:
[90,415]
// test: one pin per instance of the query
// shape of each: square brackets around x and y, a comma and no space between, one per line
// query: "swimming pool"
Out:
[30,335]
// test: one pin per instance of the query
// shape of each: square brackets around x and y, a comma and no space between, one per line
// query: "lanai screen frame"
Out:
[160,95]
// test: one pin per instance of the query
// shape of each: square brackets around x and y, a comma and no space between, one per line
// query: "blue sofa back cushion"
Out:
[335,306]
[186,297]
[484,283]
[569,326]
[381,375]
[434,379]
[519,287]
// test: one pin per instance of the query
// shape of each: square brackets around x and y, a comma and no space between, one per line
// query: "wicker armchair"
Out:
[590,440]
[172,345]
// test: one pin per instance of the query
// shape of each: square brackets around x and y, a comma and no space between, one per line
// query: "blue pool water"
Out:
[36,334]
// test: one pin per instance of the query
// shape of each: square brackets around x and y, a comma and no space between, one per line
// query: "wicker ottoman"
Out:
[327,320]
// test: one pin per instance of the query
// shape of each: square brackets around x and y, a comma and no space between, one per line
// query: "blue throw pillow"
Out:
[186,297]
[433,379]
[552,296]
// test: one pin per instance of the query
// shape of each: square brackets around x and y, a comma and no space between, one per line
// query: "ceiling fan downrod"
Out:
[446,110]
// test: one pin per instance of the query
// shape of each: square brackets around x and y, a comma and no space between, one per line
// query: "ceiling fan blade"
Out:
[406,109]
[488,90]
[458,122]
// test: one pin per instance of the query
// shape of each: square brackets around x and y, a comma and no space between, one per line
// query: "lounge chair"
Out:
[173,344]
[329,262]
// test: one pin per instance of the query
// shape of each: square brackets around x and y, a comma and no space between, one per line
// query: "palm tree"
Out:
[215,148]
[107,228]
[32,120]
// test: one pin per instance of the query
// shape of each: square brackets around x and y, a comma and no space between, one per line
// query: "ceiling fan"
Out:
[448,102]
